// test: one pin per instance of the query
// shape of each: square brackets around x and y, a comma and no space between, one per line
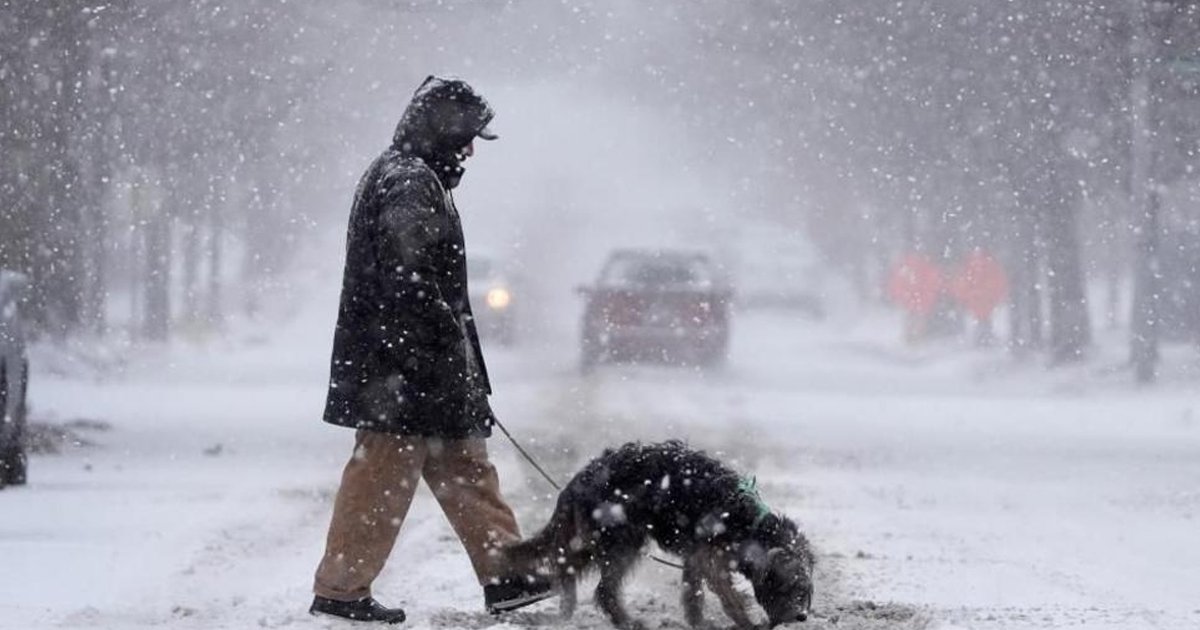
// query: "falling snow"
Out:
[929,271]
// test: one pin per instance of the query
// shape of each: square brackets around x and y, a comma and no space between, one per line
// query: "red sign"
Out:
[980,284]
[915,283]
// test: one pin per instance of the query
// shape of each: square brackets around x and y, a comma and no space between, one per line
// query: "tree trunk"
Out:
[1025,320]
[62,261]
[1143,320]
[1143,327]
[213,300]
[1070,329]
[156,323]
[191,270]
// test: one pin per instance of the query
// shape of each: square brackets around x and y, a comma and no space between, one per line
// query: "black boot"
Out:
[365,609]
[515,592]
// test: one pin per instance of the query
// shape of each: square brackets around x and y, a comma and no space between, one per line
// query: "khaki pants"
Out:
[377,488]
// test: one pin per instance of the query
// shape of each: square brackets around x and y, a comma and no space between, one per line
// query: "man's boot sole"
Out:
[514,604]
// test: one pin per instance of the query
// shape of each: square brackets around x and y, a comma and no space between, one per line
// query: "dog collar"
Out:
[749,488]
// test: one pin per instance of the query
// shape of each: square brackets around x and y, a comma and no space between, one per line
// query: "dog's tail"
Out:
[545,550]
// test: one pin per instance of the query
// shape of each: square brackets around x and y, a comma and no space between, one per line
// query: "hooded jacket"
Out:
[406,354]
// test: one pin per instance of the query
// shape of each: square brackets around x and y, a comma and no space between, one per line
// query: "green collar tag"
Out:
[749,487]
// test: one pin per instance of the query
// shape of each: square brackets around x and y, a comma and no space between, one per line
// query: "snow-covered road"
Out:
[941,489]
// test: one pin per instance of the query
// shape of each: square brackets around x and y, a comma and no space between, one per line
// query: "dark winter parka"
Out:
[406,355]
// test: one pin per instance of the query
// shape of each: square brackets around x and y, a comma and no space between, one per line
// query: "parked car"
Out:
[778,268]
[14,379]
[662,304]
[493,296]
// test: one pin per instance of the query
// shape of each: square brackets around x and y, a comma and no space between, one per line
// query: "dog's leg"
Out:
[692,597]
[572,560]
[716,573]
[569,597]
[613,570]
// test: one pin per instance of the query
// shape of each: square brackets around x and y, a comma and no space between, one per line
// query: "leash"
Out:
[545,475]
[529,458]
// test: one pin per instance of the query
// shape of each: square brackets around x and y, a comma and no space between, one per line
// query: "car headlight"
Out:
[498,298]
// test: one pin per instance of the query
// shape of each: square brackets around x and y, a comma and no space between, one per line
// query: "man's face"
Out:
[466,151]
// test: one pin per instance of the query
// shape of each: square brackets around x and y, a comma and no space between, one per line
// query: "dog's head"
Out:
[781,572]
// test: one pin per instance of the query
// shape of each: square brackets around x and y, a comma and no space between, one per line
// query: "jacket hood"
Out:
[445,114]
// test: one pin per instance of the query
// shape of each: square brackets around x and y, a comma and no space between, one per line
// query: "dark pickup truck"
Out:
[666,305]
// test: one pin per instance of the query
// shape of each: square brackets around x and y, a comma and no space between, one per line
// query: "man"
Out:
[407,371]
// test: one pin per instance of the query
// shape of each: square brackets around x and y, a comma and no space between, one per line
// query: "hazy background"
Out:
[169,165]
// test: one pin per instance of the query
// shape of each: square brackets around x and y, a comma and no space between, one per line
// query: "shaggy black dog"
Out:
[690,504]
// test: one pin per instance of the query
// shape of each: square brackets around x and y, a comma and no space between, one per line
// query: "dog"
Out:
[693,506]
